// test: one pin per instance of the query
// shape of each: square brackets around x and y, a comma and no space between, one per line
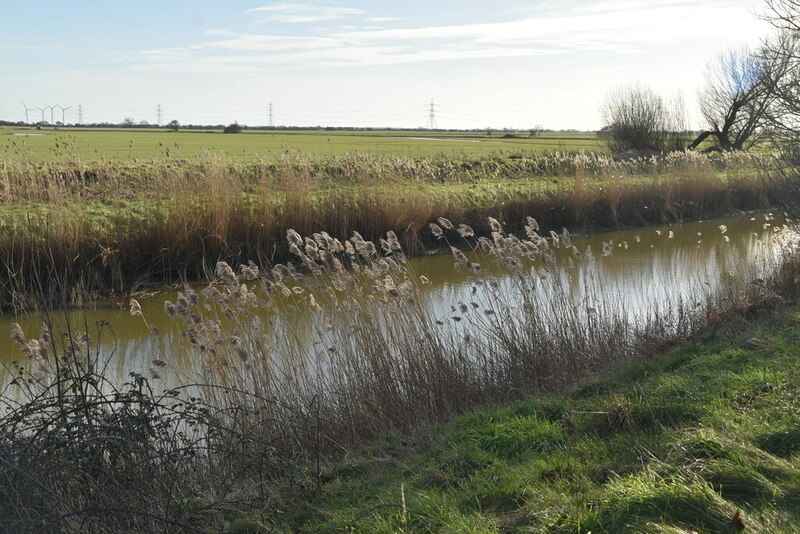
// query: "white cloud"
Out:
[300,13]
[620,5]
[623,27]
[351,28]
[624,23]
[219,31]
[314,55]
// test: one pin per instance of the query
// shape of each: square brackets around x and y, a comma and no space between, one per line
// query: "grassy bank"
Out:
[70,231]
[703,438]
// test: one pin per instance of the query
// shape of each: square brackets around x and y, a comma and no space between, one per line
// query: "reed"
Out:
[80,230]
[381,357]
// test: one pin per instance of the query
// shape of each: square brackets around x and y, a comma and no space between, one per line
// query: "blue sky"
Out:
[364,63]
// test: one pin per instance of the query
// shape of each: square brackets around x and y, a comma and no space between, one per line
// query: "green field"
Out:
[83,144]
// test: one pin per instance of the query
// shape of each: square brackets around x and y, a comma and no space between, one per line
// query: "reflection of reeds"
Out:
[381,357]
[70,231]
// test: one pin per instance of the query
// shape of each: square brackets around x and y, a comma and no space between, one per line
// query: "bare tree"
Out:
[736,99]
[784,15]
[784,81]
[636,119]
[784,50]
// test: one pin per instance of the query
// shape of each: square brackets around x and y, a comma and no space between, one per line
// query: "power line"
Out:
[374,110]
[385,116]
[514,110]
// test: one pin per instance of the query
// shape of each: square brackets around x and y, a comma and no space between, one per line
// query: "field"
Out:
[88,145]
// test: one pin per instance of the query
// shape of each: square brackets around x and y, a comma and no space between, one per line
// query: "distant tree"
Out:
[143,124]
[128,122]
[233,128]
[636,119]
[536,131]
[173,125]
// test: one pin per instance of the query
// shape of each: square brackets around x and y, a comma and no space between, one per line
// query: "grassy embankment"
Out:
[70,230]
[705,438]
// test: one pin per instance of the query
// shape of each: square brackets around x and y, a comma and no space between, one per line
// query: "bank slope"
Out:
[705,438]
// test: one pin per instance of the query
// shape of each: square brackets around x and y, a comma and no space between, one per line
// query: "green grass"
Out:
[95,144]
[678,444]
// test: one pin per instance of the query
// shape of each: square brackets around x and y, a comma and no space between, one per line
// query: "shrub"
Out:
[636,119]
[233,128]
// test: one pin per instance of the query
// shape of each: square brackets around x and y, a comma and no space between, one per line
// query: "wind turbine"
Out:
[51,108]
[42,110]
[27,109]
[62,112]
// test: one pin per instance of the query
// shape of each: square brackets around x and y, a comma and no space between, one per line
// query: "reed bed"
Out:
[266,404]
[69,177]
[71,232]
[380,357]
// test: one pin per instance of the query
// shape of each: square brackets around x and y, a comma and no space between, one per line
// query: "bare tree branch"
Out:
[784,80]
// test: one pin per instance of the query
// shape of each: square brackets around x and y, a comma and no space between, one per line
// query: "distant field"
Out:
[94,144]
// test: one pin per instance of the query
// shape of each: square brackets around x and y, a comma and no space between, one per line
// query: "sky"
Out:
[477,63]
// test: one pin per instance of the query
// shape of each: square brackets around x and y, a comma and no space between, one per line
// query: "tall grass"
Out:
[380,357]
[72,231]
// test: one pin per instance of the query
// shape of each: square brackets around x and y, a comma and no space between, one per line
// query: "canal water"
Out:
[636,272]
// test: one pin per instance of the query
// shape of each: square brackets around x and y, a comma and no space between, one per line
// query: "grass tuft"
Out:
[679,499]
[783,441]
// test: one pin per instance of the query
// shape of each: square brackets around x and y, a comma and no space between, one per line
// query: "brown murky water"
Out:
[647,265]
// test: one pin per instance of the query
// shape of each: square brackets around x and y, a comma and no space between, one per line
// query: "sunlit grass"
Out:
[93,145]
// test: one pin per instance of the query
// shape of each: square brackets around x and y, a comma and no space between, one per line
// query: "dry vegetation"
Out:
[381,358]
[71,231]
